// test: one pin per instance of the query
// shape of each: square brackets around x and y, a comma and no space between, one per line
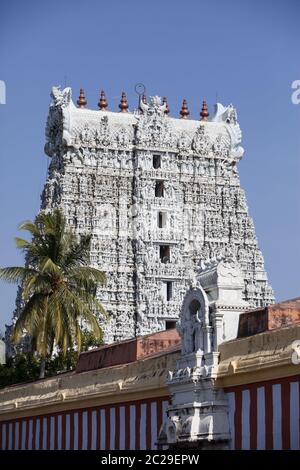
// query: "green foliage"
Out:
[20,368]
[58,287]
[90,341]
[25,367]
[64,362]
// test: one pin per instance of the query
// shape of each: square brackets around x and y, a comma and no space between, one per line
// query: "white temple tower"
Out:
[159,196]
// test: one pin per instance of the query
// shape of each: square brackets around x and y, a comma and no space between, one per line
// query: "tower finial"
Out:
[102,104]
[184,110]
[82,102]
[123,103]
[164,101]
[204,112]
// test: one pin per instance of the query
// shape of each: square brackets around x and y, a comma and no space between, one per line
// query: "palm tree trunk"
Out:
[42,368]
[45,359]
[51,347]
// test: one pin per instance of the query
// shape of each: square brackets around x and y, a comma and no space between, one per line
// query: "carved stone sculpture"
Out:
[159,196]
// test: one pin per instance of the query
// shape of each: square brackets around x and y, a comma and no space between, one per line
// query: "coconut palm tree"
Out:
[58,287]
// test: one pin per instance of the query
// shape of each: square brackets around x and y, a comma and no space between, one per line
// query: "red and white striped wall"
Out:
[131,425]
[265,415]
[262,415]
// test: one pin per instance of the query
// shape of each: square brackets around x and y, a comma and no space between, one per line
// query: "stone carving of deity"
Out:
[191,329]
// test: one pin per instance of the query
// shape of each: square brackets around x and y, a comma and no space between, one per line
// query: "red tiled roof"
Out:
[127,351]
[269,318]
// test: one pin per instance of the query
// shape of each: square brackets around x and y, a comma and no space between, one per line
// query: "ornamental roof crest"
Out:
[228,115]
[61,97]
[154,106]
[153,127]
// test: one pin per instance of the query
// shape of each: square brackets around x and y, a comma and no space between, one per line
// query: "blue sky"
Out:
[246,52]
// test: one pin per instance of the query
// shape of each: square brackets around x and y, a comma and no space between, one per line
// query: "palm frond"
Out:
[78,253]
[22,243]
[29,227]
[88,272]
[48,266]
[30,317]
[36,283]
[15,273]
